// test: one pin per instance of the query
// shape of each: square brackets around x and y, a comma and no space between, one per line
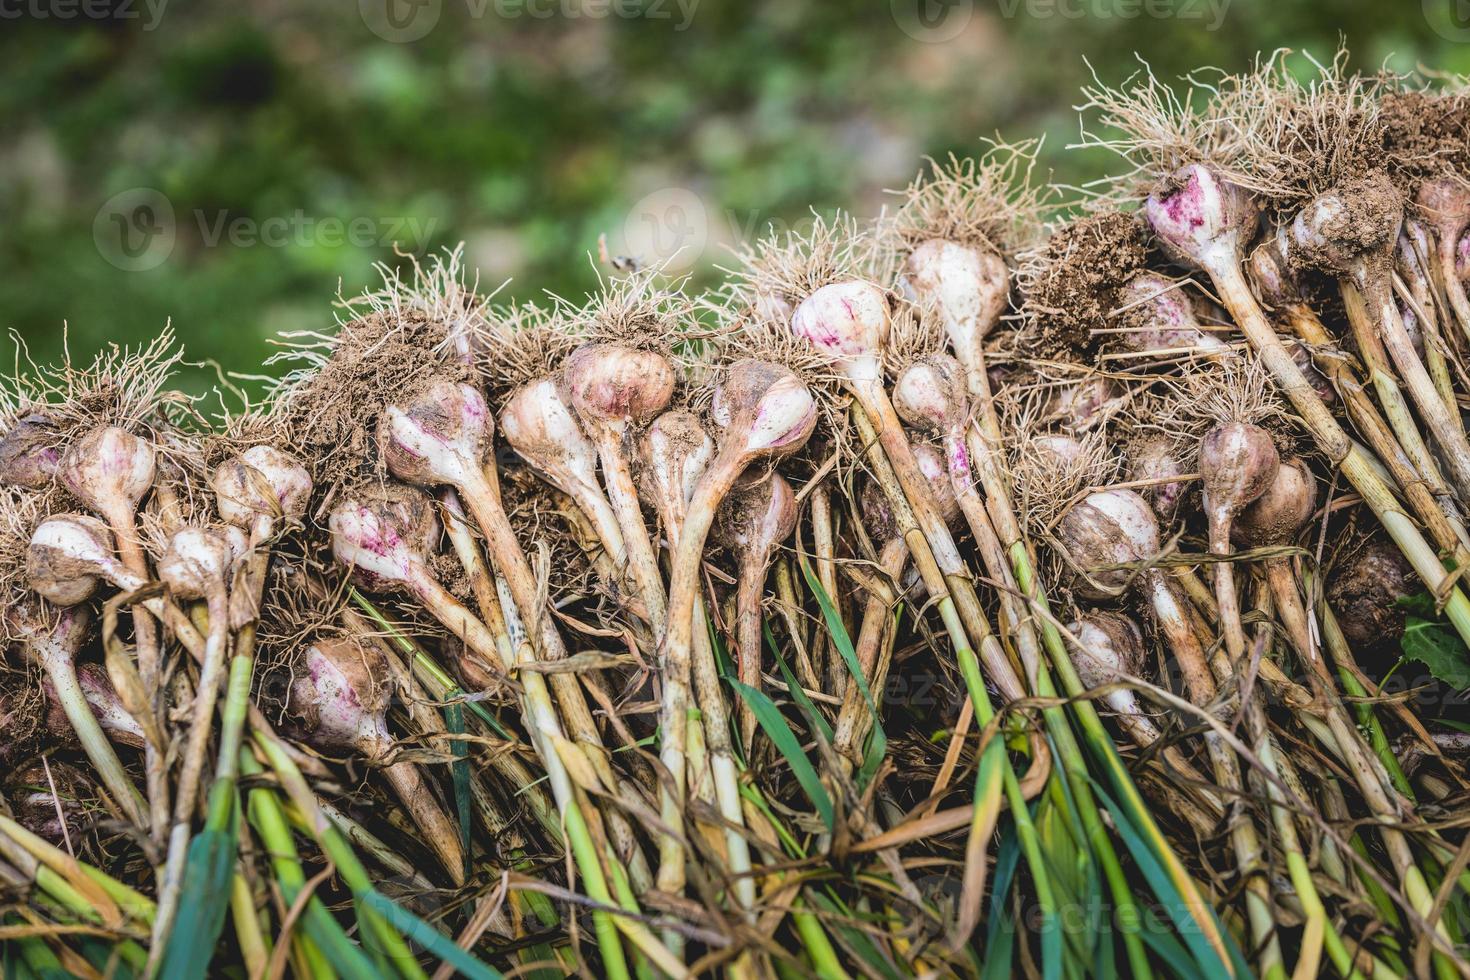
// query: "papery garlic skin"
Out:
[617,385]
[261,482]
[340,688]
[68,557]
[109,470]
[1201,219]
[383,538]
[849,323]
[435,437]
[969,287]
[539,425]
[196,564]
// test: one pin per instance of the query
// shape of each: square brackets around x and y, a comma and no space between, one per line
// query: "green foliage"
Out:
[1433,642]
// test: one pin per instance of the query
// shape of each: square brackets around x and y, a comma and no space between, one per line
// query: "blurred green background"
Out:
[229,168]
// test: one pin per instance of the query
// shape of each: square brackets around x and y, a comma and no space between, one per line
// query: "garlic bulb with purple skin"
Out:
[617,387]
[110,470]
[29,455]
[1163,316]
[439,435]
[1116,527]
[1237,464]
[1111,527]
[968,286]
[848,323]
[1107,648]
[1081,406]
[256,491]
[753,522]
[614,390]
[1157,458]
[107,705]
[341,695]
[54,647]
[771,414]
[676,451]
[541,427]
[385,535]
[1445,205]
[1200,219]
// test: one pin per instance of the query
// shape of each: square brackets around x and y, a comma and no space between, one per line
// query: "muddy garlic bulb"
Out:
[109,470]
[1237,464]
[196,564]
[434,436]
[1156,457]
[383,535]
[261,483]
[340,693]
[768,411]
[29,456]
[755,519]
[618,387]
[1346,230]
[68,558]
[1080,406]
[1281,511]
[107,706]
[1364,589]
[676,451]
[1164,317]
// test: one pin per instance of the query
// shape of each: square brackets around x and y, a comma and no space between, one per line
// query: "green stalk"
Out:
[340,852]
[322,932]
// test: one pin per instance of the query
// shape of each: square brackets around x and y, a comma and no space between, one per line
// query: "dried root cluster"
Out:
[1029,582]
